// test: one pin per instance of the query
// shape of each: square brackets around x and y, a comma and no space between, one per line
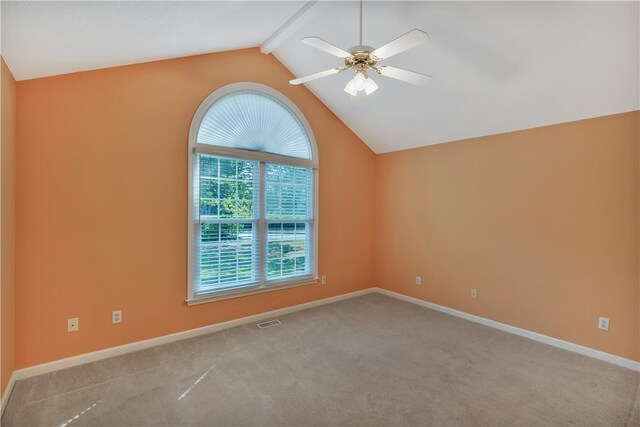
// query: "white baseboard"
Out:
[555,342]
[141,345]
[7,393]
[152,342]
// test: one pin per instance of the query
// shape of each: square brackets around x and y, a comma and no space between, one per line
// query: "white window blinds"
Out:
[289,211]
[227,252]
[254,225]
[254,121]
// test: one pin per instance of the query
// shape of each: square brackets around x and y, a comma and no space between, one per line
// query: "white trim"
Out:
[241,154]
[287,29]
[7,392]
[252,290]
[316,220]
[555,342]
[152,342]
[263,228]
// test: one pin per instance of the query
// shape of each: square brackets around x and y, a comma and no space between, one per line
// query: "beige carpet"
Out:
[371,360]
[634,415]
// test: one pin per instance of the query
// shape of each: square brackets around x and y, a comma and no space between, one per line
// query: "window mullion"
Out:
[262,225]
[197,184]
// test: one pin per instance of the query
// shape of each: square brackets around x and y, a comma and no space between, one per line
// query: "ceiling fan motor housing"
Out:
[361,58]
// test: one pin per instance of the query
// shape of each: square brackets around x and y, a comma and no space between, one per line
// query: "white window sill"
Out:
[238,293]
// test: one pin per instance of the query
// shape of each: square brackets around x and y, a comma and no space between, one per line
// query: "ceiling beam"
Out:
[285,31]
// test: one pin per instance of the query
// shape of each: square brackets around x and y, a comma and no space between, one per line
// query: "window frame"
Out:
[262,158]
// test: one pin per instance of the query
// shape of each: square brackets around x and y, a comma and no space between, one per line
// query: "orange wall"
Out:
[542,222]
[102,203]
[7,225]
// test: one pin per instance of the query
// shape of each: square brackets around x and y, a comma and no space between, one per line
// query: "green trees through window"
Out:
[231,217]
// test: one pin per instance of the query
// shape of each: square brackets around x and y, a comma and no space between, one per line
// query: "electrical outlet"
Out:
[72,325]
[418,280]
[474,293]
[116,316]
[324,280]
[603,323]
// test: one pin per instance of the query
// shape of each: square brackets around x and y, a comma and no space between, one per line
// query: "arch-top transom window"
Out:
[252,184]
[254,121]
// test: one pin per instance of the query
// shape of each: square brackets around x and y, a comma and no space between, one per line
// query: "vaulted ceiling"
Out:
[497,66]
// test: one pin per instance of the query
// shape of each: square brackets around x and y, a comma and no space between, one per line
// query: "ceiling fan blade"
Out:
[316,76]
[318,43]
[405,42]
[404,75]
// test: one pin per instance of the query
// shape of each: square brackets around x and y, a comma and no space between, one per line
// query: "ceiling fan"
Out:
[361,58]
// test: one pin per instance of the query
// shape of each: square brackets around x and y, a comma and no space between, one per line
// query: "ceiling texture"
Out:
[496,66]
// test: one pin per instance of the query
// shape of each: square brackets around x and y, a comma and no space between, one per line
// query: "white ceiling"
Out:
[497,66]
[47,38]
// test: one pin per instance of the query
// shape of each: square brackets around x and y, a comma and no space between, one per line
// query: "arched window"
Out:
[252,186]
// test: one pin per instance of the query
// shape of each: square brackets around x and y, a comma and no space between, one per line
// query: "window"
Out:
[252,183]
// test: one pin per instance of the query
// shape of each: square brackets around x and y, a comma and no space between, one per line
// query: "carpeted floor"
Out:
[371,360]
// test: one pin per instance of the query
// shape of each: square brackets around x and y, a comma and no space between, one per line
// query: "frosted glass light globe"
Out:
[360,81]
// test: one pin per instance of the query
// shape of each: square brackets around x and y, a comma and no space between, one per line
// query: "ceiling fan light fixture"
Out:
[370,86]
[350,88]
[360,80]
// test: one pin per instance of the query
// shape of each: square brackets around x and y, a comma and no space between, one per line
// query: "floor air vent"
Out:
[269,323]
